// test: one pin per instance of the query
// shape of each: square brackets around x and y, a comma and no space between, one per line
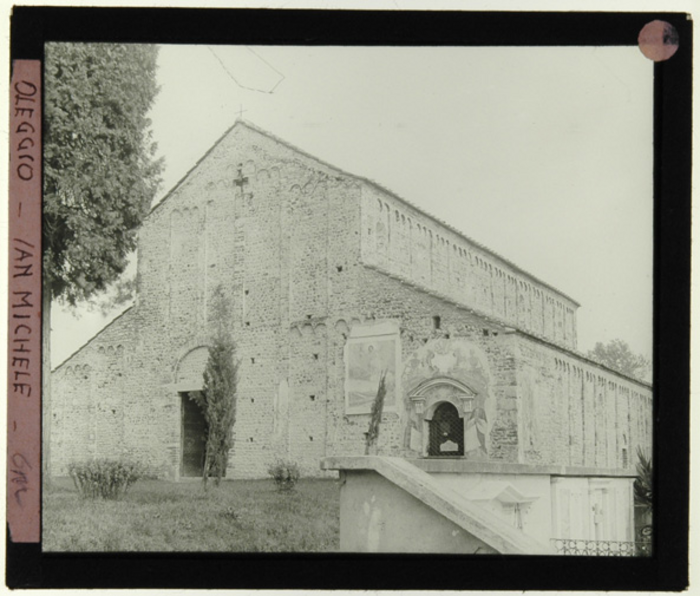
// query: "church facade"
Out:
[334,281]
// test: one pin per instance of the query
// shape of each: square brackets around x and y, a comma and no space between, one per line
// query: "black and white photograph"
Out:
[388,299]
[379,299]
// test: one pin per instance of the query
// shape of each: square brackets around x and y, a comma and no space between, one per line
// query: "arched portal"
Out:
[442,404]
[446,432]
[190,369]
[189,381]
[194,436]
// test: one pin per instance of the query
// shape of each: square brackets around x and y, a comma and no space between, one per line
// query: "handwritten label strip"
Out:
[24,305]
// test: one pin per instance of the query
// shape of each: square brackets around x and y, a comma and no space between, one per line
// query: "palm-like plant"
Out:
[643,483]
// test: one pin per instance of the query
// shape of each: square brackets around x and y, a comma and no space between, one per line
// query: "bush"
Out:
[285,474]
[108,479]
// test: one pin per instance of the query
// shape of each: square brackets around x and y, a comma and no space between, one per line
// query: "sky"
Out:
[544,155]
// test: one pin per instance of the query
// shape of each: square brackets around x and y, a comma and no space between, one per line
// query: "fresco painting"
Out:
[366,359]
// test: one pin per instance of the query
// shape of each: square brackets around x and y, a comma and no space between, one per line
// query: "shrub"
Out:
[104,478]
[285,474]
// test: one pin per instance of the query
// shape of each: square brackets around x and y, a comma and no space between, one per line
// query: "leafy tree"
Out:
[617,355]
[120,294]
[218,399]
[100,175]
[372,434]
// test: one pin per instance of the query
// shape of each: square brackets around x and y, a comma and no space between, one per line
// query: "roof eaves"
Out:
[179,183]
[94,337]
[494,320]
[369,182]
[385,190]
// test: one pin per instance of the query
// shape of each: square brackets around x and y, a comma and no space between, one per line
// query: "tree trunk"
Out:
[46,385]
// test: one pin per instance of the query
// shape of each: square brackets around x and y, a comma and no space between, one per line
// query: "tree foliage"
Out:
[218,398]
[617,355]
[120,294]
[100,175]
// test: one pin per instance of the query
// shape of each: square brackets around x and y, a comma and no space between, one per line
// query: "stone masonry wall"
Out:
[278,231]
[282,234]
[384,297]
[398,239]
[95,413]
[576,413]
[543,397]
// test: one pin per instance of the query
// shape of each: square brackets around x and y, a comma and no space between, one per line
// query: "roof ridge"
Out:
[412,205]
[255,128]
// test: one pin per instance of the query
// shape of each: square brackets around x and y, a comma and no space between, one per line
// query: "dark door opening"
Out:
[194,437]
[446,435]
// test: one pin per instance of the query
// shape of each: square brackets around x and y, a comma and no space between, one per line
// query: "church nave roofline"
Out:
[244,123]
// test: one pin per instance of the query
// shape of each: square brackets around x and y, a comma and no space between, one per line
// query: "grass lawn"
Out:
[156,515]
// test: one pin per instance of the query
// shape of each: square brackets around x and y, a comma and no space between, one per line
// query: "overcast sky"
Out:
[542,154]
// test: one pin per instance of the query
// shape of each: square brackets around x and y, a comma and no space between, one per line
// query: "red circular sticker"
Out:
[658,40]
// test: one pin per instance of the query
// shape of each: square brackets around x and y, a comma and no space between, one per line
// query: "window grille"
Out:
[446,436]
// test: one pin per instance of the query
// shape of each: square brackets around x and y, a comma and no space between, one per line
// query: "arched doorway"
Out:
[446,432]
[194,437]
[193,427]
[442,404]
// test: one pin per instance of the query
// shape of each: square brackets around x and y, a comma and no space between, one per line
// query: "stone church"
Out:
[333,281]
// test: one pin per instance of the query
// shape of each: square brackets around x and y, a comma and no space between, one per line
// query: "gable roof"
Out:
[371,183]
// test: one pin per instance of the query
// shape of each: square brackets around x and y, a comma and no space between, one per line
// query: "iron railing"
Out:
[601,548]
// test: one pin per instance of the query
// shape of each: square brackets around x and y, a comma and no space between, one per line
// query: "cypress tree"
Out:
[372,434]
[218,398]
